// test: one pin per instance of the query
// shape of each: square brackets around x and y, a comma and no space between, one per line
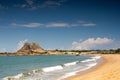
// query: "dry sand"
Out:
[110,70]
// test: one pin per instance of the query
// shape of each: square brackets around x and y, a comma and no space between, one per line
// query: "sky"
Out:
[60,24]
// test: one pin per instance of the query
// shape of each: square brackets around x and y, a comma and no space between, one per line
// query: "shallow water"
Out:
[43,67]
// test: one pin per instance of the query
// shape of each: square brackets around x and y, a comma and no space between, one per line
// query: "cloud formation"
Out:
[21,43]
[91,43]
[29,2]
[29,25]
[54,24]
[83,23]
[53,3]
[34,4]
[57,25]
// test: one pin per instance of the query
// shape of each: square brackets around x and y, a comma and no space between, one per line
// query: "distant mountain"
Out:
[34,49]
[31,48]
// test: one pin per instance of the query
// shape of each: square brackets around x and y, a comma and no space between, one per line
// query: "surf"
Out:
[57,72]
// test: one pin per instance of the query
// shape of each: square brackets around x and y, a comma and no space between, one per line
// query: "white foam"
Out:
[16,77]
[88,66]
[49,69]
[88,60]
[96,57]
[89,63]
[74,73]
[67,75]
[92,59]
[71,63]
[92,64]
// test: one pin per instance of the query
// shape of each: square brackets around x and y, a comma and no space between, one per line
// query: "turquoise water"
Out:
[41,67]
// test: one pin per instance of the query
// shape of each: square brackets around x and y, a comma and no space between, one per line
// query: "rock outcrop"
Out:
[31,49]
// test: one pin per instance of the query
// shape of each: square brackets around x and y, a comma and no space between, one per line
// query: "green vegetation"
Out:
[3,52]
[111,51]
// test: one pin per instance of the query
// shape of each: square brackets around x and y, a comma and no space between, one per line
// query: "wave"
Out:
[75,72]
[49,69]
[70,64]
[16,77]
[92,59]
[88,60]
[56,68]
[91,65]
[96,57]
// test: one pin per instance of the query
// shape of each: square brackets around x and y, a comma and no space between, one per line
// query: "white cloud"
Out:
[32,25]
[21,43]
[91,43]
[30,2]
[53,3]
[89,24]
[33,4]
[54,24]
[30,5]
[57,25]
[29,25]
[83,23]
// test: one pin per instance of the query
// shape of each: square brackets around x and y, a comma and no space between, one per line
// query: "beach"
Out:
[109,70]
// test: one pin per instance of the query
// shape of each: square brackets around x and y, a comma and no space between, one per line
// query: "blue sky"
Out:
[60,24]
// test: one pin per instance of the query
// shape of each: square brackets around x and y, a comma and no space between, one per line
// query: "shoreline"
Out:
[108,70]
[99,62]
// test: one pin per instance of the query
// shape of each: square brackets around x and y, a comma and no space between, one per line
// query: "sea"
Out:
[47,67]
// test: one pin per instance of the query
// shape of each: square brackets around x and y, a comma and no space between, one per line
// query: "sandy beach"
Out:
[109,70]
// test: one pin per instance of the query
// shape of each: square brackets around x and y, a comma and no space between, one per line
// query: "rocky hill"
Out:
[31,49]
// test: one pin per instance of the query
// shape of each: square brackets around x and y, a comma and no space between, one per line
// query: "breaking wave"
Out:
[62,69]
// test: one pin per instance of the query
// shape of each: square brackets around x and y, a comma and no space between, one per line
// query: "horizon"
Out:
[62,49]
[60,24]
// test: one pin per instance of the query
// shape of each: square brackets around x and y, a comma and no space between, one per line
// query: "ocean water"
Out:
[50,67]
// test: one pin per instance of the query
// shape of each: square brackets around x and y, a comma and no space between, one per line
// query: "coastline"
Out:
[99,62]
[109,70]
